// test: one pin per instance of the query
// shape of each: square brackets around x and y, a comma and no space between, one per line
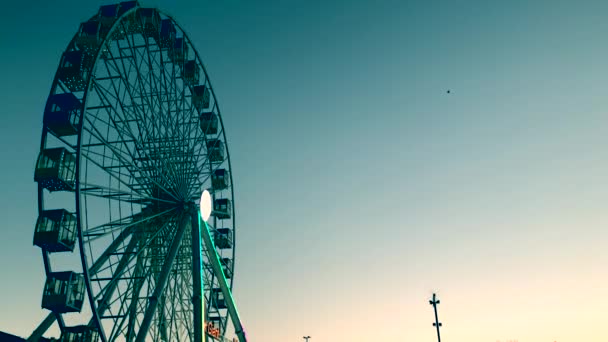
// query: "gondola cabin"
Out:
[79,333]
[108,15]
[222,208]
[56,169]
[200,97]
[129,23]
[62,114]
[222,238]
[215,320]
[89,37]
[149,22]
[227,267]
[220,179]
[126,6]
[192,72]
[218,300]
[74,70]
[63,292]
[55,231]
[215,150]
[178,54]
[167,34]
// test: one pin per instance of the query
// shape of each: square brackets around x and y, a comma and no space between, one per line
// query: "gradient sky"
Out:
[361,185]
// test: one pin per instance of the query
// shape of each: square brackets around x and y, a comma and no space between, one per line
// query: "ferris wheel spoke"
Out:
[162,154]
[125,136]
[186,169]
[161,281]
[201,172]
[115,271]
[132,278]
[115,171]
[175,292]
[144,243]
[108,291]
[185,127]
[103,258]
[145,54]
[187,303]
[200,175]
[184,322]
[195,133]
[182,310]
[171,122]
[124,163]
[121,224]
[112,99]
[173,322]
[133,305]
[162,318]
[135,180]
[113,174]
[164,314]
[126,230]
[141,122]
[126,303]
[182,124]
[196,154]
[175,326]
[92,147]
[119,327]
[139,88]
[119,195]
[136,281]
[161,78]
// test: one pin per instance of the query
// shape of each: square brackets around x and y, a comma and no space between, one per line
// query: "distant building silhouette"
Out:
[5,337]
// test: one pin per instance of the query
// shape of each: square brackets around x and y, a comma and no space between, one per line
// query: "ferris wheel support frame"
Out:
[42,328]
[198,317]
[162,279]
[226,292]
[189,215]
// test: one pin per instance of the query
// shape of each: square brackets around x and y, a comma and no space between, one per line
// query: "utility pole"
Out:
[306,338]
[434,303]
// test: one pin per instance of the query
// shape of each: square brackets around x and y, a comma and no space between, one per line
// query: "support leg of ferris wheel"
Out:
[139,271]
[217,270]
[104,303]
[197,295]
[52,317]
[161,282]
[42,328]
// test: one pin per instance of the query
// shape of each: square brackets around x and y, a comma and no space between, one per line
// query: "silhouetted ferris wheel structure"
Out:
[132,134]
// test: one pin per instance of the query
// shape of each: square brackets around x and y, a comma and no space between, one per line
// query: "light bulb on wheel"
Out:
[205,205]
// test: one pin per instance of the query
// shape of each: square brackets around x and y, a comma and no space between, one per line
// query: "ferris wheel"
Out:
[132,135]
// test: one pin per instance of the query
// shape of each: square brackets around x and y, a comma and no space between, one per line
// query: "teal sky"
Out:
[361,185]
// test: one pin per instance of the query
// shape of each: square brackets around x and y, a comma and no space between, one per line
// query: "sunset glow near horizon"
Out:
[362,186]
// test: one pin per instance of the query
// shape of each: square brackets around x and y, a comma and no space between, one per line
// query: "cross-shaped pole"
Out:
[306,338]
[434,303]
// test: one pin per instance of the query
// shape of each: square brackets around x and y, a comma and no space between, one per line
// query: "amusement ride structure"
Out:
[132,136]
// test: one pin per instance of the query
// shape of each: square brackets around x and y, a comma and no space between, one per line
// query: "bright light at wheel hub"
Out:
[205,205]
